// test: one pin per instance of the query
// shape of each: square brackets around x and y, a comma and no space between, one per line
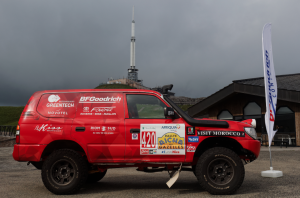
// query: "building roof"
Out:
[288,90]
[287,82]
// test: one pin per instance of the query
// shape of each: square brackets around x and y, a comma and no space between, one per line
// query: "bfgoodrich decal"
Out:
[222,133]
[94,99]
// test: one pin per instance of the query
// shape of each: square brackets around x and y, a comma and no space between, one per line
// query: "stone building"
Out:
[245,99]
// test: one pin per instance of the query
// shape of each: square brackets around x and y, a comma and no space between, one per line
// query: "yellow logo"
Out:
[171,141]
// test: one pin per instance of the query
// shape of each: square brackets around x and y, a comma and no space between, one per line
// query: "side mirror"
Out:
[169,111]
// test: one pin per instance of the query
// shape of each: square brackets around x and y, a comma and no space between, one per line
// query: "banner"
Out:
[270,82]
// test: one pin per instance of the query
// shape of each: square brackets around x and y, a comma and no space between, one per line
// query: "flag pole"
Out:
[271,167]
[270,94]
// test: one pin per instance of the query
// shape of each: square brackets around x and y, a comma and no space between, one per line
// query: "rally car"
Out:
[75,136]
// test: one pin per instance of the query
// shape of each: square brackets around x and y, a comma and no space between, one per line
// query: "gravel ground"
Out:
[19,180]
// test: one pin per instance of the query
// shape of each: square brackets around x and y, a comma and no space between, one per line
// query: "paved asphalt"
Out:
[19,180]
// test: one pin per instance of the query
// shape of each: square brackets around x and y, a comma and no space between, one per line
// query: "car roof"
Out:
[102,90]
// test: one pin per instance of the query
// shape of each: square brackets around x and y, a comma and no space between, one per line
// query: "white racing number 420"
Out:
[148,139]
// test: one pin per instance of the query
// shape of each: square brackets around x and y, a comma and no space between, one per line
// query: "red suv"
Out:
[74,136]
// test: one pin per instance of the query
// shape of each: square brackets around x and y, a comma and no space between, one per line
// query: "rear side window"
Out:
[145,106]
[58,105]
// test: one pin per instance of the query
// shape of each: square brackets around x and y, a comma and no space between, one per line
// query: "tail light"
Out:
[18,134]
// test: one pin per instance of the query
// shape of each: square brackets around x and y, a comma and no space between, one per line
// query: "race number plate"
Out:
[162,139]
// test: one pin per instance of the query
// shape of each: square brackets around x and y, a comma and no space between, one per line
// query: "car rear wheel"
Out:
[220,171]
[64,172]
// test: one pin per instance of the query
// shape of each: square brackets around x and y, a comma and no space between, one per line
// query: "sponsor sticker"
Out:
[170,141]
[93,99]
[54,101]
[221,133]
[162,139]
[144,151]
[190,131]
[134,136]
[57,112]
[193,139]
[102,109]
[48,128]
[191,148]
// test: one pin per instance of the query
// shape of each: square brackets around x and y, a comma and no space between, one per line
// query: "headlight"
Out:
[251,131]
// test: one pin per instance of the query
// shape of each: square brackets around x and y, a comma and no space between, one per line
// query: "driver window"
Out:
[145,106]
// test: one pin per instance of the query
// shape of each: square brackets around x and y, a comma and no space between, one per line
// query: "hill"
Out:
[10,115]
[114,86]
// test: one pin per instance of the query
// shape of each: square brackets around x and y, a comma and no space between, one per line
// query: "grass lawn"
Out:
[10,115]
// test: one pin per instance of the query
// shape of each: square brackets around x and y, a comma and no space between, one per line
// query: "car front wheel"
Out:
[220,171]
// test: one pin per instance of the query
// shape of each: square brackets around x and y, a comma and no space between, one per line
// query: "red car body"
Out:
[101,125]
[107,138]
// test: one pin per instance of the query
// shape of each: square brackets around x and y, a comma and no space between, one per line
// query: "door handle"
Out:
[80,129]
[134,130]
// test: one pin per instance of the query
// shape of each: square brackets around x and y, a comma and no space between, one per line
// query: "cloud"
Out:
[199,46]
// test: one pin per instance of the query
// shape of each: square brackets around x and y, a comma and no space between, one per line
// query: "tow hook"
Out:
[174,176]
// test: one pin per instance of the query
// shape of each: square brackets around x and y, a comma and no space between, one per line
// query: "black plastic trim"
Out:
[193,122]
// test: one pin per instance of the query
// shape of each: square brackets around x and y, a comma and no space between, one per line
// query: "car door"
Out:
[150,136]
[99,125]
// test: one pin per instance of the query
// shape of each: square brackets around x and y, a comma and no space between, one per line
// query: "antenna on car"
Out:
[166,88]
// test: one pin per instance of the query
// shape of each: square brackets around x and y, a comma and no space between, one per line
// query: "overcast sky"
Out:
[199,46]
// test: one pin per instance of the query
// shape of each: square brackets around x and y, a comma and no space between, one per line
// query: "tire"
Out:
[220,171]
[95,177]
[64,172]
[194,170]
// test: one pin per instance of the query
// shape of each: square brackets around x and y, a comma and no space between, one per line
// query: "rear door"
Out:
[99,124]
[150,136]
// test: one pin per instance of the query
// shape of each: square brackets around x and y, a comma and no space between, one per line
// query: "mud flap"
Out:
[174,177]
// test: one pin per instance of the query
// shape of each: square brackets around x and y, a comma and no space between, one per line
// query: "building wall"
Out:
[236,103]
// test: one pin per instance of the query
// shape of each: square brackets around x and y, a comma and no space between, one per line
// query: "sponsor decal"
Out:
[108,114]
[48,128]
[221,133]
[134,136]
[86,114]
[170,141]
[105,128]
[148,127]
[166,152]
[144,151]
[54,102]
[193,139]
[94,99]
[102,109]
[57,112]
[150,151]
[103,133]
[95,128]
[177,126]
[190,131]
[86,109]
[53,98]
[190,148]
